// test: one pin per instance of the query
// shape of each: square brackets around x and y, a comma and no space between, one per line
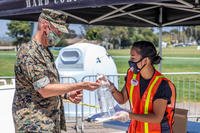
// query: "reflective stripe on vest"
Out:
[146,108]
[132,89]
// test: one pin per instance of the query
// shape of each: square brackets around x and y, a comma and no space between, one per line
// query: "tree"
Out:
[94,33]
[167,37]
[20,31]
[188,33]
[140,34]
[110,33]
[123,36]
[193,33]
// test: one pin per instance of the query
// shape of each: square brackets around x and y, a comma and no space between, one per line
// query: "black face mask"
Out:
[134,67]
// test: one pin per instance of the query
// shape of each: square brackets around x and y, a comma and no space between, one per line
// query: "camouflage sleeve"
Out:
[36,72]
[41,83]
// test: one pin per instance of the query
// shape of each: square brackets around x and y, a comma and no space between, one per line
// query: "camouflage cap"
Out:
[56,17]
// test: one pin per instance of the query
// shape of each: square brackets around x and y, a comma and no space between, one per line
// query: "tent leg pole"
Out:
[160,48]
[160,37]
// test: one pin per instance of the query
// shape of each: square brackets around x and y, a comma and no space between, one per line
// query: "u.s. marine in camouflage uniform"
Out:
[37,103]
[35,69]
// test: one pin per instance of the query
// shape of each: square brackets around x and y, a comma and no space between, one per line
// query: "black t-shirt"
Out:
[163,92]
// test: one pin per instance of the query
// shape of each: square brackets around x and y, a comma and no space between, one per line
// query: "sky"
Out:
[3,28]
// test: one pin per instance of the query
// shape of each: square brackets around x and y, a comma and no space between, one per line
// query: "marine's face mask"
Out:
[134,67]
[53,38]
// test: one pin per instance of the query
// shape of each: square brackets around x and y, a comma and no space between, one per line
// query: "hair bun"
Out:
[156,59]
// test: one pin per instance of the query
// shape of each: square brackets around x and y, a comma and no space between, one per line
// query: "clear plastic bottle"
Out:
[105,98]
[106,101]
[102,99]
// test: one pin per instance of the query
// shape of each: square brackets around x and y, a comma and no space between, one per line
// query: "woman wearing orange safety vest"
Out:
[151,95]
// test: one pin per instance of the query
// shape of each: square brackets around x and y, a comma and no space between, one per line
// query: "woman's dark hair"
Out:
[147,49]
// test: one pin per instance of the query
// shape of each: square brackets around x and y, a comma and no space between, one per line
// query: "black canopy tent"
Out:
[109,12]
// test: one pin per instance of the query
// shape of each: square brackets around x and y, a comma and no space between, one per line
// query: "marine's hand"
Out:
[91,86]
[122,116]
[76,96]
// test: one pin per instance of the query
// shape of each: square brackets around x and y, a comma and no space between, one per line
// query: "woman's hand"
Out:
[122,116]
[103,80]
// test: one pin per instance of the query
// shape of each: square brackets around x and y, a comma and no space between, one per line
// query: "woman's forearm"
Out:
[150,118]
[118,96]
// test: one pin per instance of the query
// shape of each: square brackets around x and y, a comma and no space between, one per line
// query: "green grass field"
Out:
[189,60]
[190,63]
[7,60]
[169,52]
[169,65]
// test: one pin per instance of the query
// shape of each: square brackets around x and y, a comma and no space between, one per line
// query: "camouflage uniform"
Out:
[35,69]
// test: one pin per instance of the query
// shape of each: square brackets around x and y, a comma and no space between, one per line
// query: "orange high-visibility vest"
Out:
[144,105]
